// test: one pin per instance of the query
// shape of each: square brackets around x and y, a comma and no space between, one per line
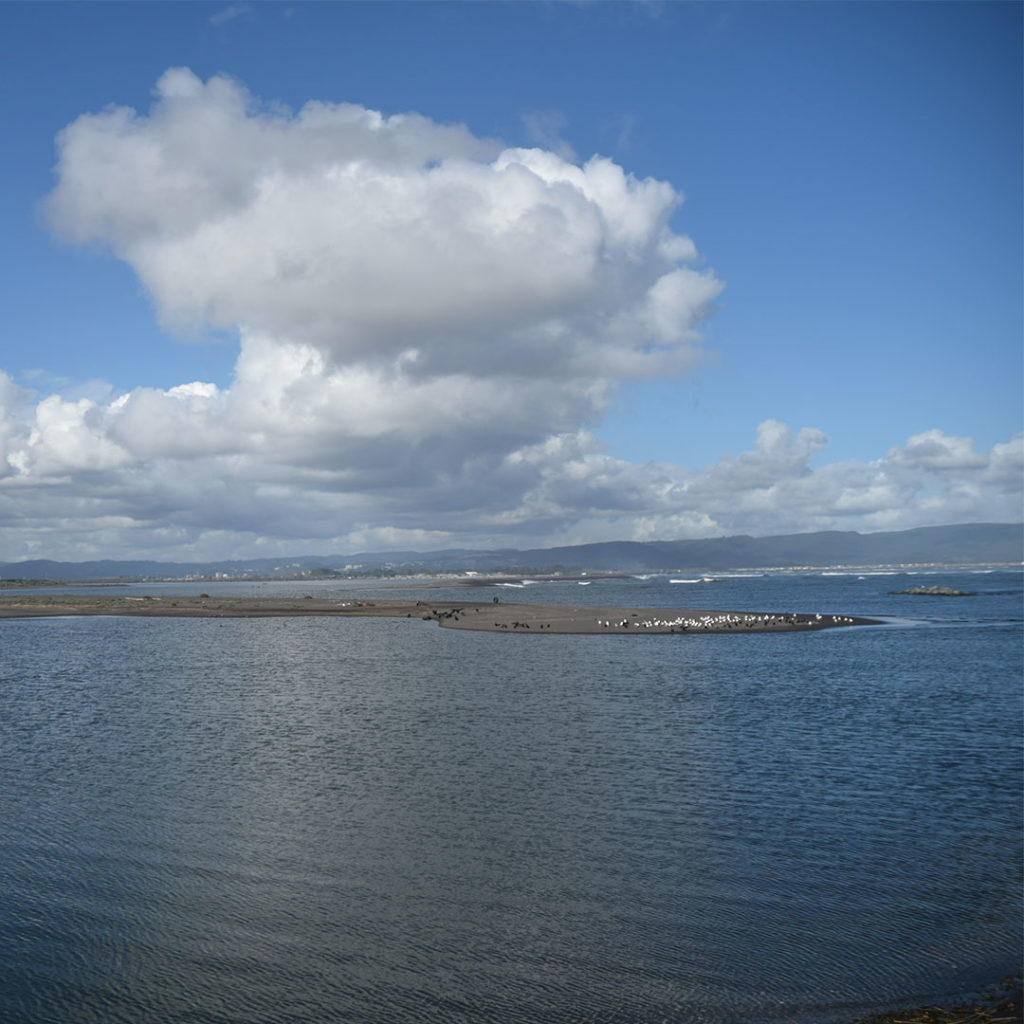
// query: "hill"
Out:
[964,544]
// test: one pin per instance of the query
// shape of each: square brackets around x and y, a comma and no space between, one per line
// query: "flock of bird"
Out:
[722,621]
[697,622]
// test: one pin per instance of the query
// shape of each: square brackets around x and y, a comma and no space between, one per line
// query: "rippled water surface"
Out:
[315,820]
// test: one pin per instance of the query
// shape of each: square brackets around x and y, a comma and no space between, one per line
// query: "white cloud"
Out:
[229,13]
[195,472]
[934,450]
[369,236]
[429,327]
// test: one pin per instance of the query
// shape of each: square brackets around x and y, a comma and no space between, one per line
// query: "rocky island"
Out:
[939,591]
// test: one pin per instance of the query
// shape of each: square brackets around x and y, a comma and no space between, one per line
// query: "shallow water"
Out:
[378,820]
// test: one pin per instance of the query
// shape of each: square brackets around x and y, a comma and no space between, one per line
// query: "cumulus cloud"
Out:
[375,238]
[430,326]
[769,489]
[196,472]
[934,450]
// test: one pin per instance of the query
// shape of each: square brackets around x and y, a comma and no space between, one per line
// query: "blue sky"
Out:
[846,344]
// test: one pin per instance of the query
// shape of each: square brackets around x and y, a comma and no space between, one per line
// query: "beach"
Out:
[493,616]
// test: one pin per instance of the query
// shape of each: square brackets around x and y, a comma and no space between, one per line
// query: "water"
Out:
[316,820]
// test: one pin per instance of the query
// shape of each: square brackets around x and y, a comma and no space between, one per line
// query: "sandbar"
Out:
[532,619]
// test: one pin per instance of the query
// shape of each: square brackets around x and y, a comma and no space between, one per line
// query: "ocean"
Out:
[232,821]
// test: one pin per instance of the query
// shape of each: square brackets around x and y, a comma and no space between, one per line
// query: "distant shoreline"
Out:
[472,578]
[492,616]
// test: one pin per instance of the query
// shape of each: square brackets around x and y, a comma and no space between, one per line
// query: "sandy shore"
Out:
[492,617]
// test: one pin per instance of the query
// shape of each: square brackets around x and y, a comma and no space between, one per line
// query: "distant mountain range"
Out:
[966,544]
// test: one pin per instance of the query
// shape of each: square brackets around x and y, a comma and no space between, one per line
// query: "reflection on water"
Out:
[379,820]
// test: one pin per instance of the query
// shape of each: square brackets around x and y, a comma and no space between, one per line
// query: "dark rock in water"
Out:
[936,592]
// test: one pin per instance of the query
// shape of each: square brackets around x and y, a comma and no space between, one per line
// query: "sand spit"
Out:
[492,617]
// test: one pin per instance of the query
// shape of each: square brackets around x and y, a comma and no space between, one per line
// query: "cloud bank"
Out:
[430,328]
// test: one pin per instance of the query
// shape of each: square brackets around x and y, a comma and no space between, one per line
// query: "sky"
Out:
[290,278]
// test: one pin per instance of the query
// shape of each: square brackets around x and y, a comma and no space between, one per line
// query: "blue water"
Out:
[319,820]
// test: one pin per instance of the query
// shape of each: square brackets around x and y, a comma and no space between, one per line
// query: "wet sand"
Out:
[490,617]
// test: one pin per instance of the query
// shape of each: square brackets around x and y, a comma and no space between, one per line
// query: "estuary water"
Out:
[377,820]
